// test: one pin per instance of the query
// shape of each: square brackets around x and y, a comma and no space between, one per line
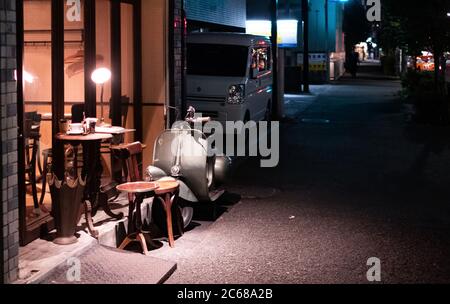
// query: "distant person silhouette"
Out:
[353,63]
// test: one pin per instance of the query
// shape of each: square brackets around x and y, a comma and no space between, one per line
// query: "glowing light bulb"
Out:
[101,75]
[27,77]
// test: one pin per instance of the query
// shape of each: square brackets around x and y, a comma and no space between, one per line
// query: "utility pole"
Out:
[305,21]
[275,88]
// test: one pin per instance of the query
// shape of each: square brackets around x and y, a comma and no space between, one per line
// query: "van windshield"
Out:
[217,60]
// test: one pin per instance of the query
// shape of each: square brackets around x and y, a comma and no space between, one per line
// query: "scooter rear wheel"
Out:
[181,218]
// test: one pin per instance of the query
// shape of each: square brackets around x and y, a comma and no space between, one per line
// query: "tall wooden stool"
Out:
[167,193]
[136,190]
[139,190]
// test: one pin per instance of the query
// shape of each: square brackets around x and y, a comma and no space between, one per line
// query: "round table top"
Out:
[137,187]
[167,186]
[87,137]
[124,146]
[113,130]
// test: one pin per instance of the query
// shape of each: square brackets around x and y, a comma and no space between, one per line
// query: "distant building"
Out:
[216,15]
[326,45]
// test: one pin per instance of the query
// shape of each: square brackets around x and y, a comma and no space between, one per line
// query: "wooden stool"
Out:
[47,154]
[31,139]
[167,193]
[140,190]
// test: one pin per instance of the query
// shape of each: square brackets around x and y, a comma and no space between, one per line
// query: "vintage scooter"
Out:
[182,153]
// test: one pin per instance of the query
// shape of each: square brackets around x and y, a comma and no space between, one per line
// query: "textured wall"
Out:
[177,54]
[225,12]
[9,194]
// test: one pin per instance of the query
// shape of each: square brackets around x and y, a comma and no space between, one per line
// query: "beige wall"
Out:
[154,72]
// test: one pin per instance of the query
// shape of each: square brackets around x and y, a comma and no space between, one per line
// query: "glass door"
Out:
[60,45]
[117,40]
[35,113]
[38,55]
[127,68]
[74,56]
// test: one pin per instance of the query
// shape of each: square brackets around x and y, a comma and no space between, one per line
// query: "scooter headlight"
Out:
[236,94]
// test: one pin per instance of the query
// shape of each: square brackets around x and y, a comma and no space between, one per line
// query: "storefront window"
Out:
[73,54]
[103,49]
[111,42]
[37,92]
[127,66]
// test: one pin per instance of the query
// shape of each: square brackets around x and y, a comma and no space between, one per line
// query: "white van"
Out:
[229,76]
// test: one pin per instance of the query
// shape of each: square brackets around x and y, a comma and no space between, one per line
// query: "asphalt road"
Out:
[365,184]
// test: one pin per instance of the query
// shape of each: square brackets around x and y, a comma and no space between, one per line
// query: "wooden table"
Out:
[82,137]
[118,133]
[92,171]
[166,191]
[113,130]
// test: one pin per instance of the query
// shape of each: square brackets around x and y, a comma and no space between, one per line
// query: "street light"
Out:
[448,14]
[101,76]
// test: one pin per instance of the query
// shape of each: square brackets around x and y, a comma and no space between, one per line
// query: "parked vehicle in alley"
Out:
[229,76]
[182,153]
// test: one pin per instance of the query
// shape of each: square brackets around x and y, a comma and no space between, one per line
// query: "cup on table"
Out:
[75,128]
[90,125]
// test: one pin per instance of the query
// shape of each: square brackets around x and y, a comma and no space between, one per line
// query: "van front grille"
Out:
[205,98]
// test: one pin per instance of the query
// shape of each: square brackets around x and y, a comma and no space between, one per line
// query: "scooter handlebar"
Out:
[199,119]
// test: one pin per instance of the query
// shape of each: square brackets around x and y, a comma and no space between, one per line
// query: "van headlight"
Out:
[236,94]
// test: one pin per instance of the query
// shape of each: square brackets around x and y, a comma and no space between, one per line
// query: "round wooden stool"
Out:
[167,194]
[140,190]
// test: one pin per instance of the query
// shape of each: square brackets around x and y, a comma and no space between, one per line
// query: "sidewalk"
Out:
[371,70]
[43,262]
[296,103]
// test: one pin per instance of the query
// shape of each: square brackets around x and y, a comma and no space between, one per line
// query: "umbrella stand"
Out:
[67,198]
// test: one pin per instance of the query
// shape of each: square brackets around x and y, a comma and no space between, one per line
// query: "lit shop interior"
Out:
[84,59]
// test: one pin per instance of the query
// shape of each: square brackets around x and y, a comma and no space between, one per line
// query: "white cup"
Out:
[75,128]
[89,119]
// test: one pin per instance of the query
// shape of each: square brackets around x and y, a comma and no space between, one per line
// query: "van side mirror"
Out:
[254,73]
